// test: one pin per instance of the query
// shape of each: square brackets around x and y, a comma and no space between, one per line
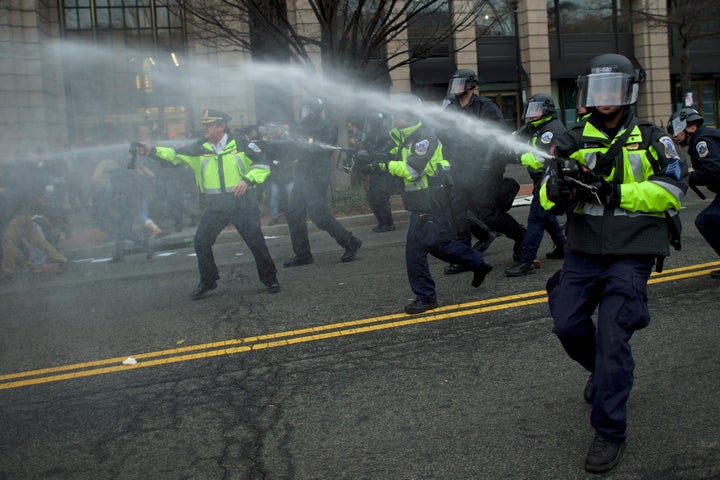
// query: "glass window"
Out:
[84,19]
[495,17]
[588,16]
[123,78]
[103,17]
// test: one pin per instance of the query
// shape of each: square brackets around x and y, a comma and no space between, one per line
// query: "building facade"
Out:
[77,72]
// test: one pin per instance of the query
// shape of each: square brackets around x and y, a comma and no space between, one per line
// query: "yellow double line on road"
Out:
[304,335]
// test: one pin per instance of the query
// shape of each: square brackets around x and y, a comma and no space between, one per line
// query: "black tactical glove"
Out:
[362,162]
[599,192]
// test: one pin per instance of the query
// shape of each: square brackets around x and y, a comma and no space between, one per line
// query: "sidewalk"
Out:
[90,241]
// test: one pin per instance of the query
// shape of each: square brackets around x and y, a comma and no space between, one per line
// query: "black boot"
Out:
[419,306]
[351,250]
[480,273]
[556,253]
[201,290]
[520,269]
[299,260]
[603,455]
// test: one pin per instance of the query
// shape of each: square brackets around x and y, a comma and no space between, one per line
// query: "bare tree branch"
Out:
[352,34]
[690,20]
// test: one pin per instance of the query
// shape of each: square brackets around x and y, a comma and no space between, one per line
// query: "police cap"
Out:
[215,116]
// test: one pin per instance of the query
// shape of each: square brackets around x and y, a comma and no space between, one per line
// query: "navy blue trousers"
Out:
[615,286]
[539,220]
[433,234]
[708,224]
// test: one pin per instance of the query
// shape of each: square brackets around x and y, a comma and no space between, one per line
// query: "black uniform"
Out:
[705,158]
[381,185]
[478,172]
[309,193]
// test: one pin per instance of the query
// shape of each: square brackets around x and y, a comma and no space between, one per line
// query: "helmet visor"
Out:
[534,109]
[677,125]
[457,86]
[606,89]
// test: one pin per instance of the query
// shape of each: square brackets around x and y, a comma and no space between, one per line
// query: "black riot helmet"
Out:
[377,123]
[462,81]
[539,105]
[312,109]
[679,120]
[406,109]
[609,80]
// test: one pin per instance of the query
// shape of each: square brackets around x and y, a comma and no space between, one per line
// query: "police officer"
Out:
[479,168]
[703,144]
[616,230]
[381,185]
[418,160]
[228,172]
[541,129]
[309,193]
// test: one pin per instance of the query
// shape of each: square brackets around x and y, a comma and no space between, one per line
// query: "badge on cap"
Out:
[546,137]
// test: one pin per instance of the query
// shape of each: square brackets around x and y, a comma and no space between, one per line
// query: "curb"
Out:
[92,242]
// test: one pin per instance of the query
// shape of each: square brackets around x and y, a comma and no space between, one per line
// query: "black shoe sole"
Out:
[519,274]
[298,263]
[199,295]
[430,306]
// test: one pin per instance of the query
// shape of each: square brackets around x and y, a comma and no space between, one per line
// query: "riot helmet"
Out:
[461,82]
[609,80]
[312,109]
[538,106]
[679,120]
[377,123]
[406,109]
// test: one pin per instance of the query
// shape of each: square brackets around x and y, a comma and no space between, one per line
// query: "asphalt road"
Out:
[328,380]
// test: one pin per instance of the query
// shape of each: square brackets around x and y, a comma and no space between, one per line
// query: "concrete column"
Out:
[653,53]
[464,41]
[32,92]
[534,45]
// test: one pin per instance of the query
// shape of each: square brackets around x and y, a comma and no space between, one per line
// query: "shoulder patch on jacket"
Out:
[421,147]
[546,137]
[670,150]
[702,149]
[253,146]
